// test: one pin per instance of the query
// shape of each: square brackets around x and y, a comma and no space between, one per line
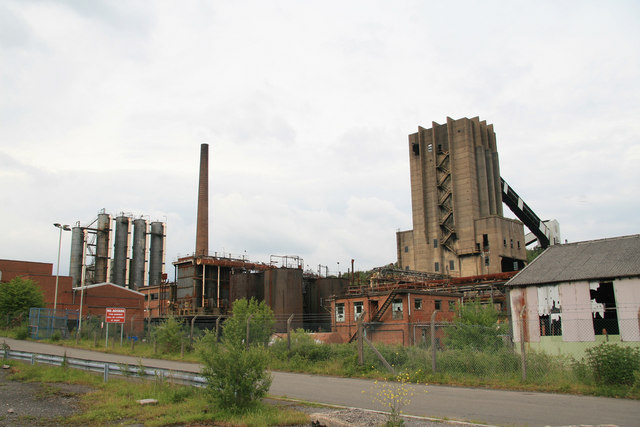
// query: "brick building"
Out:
[96,297]
[396,316]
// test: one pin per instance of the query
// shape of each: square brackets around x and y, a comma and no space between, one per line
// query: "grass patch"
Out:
[115,402]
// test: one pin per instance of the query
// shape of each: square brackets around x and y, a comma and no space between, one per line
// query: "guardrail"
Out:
[107,368]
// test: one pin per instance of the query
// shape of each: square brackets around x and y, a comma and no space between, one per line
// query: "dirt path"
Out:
[42,404]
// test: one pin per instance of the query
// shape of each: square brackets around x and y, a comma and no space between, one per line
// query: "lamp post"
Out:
[55,298]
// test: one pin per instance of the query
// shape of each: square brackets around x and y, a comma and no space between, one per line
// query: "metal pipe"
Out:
[218,299]
[204,281]
[433,341]
[55,298]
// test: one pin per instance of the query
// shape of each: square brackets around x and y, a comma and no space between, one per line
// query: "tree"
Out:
[169,335]
[237,377]
[18,296]
[476,328]
[260,325]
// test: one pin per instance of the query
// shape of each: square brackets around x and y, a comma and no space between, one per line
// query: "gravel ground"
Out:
[42,404]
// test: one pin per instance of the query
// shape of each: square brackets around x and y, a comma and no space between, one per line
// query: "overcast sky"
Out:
[306,107]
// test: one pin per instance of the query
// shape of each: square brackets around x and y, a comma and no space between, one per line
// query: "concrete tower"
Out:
[202,227]
[458,227]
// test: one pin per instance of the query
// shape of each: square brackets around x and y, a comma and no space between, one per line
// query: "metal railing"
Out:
[109,368]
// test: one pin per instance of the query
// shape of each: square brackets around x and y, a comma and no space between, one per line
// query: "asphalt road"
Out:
[496,407]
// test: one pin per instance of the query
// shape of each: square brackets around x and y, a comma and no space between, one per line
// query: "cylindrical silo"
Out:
[120,251]
[138,255]
[156,253]
[102,248]
[77,248]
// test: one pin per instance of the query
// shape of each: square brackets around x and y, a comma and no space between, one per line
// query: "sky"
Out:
[306,107]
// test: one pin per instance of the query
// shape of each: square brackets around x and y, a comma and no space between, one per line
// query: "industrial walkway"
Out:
[453,403]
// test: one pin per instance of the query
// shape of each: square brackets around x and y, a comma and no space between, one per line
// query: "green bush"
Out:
[17,297]
[476,328]
[237,376]
[613,364]
[22,332]
[303,348]
[260,326]
[169,335]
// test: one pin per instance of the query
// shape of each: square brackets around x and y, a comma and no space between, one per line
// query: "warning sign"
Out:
[115,315]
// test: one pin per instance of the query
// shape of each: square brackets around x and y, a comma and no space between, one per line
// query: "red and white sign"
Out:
[115,315]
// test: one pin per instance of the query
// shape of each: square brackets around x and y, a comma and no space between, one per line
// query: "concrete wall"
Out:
[454,168]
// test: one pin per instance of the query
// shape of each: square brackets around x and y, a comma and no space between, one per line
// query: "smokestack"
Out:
[202,227]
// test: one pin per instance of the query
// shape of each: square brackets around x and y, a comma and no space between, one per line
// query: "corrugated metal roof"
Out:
[590,260]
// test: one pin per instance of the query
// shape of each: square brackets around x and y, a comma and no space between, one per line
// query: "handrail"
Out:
[107,368]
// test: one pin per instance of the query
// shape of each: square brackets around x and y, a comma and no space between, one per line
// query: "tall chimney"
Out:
[202,227]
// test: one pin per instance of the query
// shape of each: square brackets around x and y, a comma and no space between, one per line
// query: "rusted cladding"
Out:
[246,285]
[283,293]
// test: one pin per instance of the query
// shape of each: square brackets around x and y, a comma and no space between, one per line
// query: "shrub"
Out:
[234,330]
[22,332]
[613,364]
[303,347]
[476,328]
[169,335]
[236,377]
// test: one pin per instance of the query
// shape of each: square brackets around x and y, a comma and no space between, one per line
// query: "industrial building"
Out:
[207,284]
[456,196]
[578,295]
[90,300]
[91,260]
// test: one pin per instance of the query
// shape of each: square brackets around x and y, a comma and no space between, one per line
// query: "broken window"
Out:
[340,312]
[437,266]
[486,260]
[396,306]
[452,265]
[438,304]
[549,311]
[416,149]
[435,243]
[603,309]
[357,309]
[406,249]
[417,303]
[485,241]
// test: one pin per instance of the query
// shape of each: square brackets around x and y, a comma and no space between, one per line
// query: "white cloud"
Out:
[307,108]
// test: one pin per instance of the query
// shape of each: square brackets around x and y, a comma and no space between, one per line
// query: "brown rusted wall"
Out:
[246,285]
[283,293]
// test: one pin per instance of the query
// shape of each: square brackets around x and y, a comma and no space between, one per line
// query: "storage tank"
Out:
[120,251]
[138,255]
[77,255]
[156,253]
[102,248]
